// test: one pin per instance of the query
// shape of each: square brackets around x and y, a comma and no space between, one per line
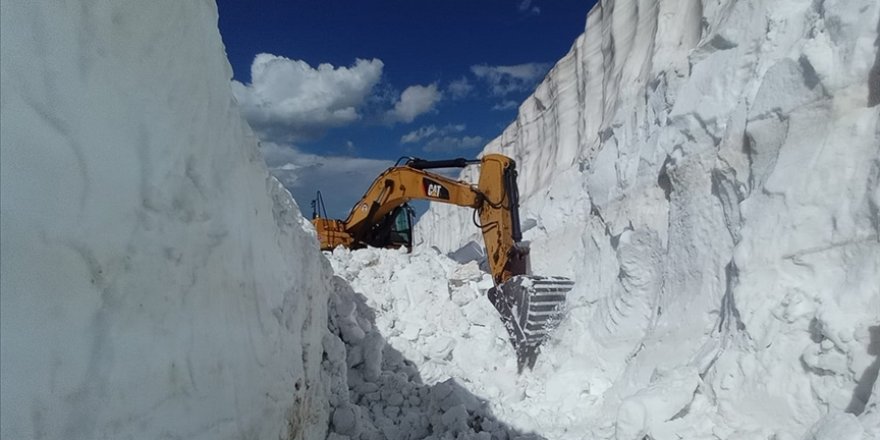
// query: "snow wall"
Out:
[155,281]
[707,171]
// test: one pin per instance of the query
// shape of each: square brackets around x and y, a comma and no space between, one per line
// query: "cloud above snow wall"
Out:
[155,281]
[414,101]
[289,100]
[502,80]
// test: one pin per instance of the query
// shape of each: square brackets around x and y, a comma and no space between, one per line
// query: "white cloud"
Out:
[452,143]
[526,7]
[290,100]
[505,105]
[460,88]
[414,101]
[428,131]
[439,139]
[417,135]
[503,80]
[342,180]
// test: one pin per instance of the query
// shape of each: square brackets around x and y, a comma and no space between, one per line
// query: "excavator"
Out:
[530,306]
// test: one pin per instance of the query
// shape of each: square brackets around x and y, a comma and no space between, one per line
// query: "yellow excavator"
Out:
[530,306]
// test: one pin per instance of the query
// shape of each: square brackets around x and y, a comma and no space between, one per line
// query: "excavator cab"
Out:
[402,227]
[394,230]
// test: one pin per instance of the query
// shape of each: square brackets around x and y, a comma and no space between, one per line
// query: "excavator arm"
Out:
[494,198]
[528,305]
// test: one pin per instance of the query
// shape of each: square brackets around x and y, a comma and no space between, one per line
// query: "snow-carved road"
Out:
[707,171]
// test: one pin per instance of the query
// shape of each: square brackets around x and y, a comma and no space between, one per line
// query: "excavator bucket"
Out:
[530,307]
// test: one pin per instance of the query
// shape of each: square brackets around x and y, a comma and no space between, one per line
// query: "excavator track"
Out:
[530,308]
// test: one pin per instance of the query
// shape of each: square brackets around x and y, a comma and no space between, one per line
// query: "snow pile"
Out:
[434,312]
[155,281]
[708,173]
[386,383]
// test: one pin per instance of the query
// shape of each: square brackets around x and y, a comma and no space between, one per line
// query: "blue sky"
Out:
[342,89]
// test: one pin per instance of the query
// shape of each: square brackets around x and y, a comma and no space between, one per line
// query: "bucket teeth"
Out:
[530,307]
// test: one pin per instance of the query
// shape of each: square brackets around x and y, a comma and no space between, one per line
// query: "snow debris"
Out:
[378,391]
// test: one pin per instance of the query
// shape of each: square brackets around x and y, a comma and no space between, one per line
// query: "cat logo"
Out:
[434,189]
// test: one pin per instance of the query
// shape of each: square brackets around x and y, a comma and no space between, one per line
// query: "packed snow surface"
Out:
[707,172]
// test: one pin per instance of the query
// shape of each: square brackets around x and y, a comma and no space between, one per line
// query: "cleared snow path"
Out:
[407,334]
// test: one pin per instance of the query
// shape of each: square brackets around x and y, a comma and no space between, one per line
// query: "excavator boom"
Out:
[529,306]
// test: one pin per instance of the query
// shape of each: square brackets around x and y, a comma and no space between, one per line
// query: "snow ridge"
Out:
[155,281]
[733,144]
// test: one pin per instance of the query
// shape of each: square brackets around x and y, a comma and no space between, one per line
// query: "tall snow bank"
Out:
[708,172]
[155,281]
